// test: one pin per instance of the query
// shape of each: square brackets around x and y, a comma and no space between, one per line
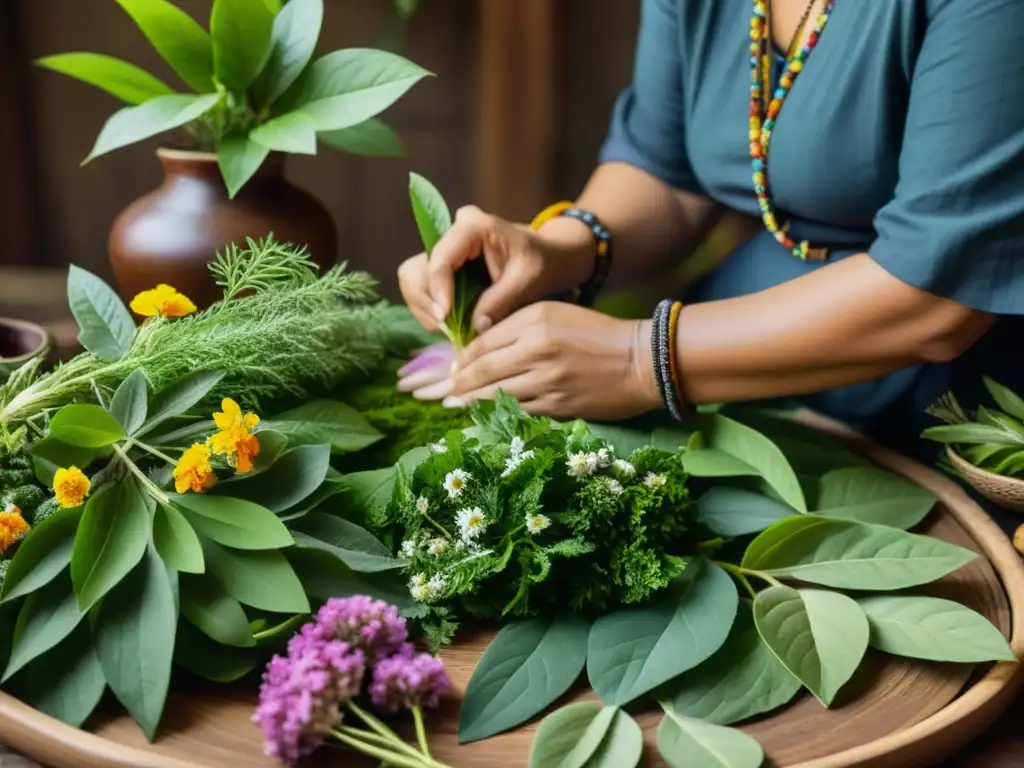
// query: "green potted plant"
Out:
[255,93]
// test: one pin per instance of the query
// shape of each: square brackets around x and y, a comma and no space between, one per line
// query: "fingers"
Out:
[507,294]
[522,386]
[412,281]
[463,242]
[499,364]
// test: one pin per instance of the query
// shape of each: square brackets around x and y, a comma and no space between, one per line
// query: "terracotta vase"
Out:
[20,341]
[171,234]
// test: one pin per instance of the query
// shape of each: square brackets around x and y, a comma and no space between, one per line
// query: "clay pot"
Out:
[20,341]
[171,234]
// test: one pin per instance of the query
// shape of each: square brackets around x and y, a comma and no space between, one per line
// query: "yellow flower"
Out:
[12,527]
[71,486]
[194,472]
[235,439]
[162,300]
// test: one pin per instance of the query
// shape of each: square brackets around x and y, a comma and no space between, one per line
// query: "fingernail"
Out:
[483,324]
[439,313]
[434,391]
[453,402]
[421,379]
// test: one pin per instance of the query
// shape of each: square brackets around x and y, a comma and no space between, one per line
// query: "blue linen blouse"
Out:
[903,137]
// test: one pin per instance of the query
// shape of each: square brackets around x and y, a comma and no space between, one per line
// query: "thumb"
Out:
[508,293]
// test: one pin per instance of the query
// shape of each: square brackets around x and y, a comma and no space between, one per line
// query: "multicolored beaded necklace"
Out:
[764,113]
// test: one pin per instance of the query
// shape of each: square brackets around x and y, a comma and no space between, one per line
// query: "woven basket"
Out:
[1007,492]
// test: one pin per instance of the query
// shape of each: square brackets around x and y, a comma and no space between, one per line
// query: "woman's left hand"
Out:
[561,360]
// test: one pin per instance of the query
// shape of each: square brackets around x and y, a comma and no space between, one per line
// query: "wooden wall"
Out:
[513,120]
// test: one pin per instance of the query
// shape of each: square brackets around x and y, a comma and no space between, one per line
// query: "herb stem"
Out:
[387,756]
[711,544]
[148,484]
[421,731]
[740,574]
[151,450]
[382,741]
[437,525]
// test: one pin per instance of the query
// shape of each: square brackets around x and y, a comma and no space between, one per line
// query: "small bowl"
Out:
[1007,492]
[20,341]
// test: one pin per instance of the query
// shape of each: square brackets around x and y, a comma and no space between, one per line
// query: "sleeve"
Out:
[647,129]
[955,227]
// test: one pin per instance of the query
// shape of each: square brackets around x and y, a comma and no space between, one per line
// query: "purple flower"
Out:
[303,693]
[434,356]
[370,625]
[408,679]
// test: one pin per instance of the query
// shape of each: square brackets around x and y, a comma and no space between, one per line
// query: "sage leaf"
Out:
[371,138]
[971,434]
[110,542]
[215,613]
[932,628]
[356,546]
[736,512]
[324,575]
[569,736]
[85,426]
[177,38]
[1005,398]
[164,113]
[369,490]
[48,616]
[845,554]
[294,477]
[292,132]
[50,454]
[239,157]
[42,555]
[262,579]
[234,522]
[209,660]
[753,448]
[871,495]
[819,636]
[240,30]
[526,667]
[176,541]
[433,219]
[106,328]
[129,403]
[685,742]
[807,451]
[326,421]
[120,79]
[633,650]
[711,462]
[331,487]
[67,682]
[134,634]
[622,746]
[348,87]
[179,398]
[742,679]
[293,40]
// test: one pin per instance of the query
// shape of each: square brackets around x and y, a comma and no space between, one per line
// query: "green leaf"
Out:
[177,38]
[85,426]
[366,491]
[42,554]
[872,495]
[348,87]
[734,512]
[53,454]
[332,487]
[239,157]
[201,656]
[933,629]
[711,462]
[742,679]
[120,79]
[105,326]
[293,132]
[262,579]
[685,742]
[326,421]
[129,403]
[323,575]
[570,736]
[176,541]
[218,615]
[1005,398]
[356,546]
[527,666]
[134,633]
[177,399]
[971,434]
[753,448]
[293,40]
[294,477]
[849,555]
[808,452]
[622,746]
[634,650]
[820,636]
[66,683]
[110,542]
[433,219]
[234,522]
[371,138]
[48,616]
[241,31]
[159,115]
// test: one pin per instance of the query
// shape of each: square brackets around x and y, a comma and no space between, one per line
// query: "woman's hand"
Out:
[562,360]
[525,266]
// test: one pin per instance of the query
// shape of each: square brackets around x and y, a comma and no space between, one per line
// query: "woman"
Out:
[892,235]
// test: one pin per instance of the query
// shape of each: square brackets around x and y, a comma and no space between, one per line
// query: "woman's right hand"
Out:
[524,266]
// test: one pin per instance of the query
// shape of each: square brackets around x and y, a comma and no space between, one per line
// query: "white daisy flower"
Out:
[624,468]
[455,482]
[471,523]
[537,523]
[436,585]
[577,464]
[441,446]
[437,546]
[419,588]
[409,548]
[604,458]
[653,481]
[614,487]
[422,505]
[515,448]
[593,463]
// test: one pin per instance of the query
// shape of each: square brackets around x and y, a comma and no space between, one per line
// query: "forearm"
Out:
[841,325]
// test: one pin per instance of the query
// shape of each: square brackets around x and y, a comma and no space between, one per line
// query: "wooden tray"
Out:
[896,712]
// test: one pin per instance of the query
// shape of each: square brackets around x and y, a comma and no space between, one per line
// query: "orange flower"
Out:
[235,440]
[70,486]
[12,527]
[194,472]
[162,300]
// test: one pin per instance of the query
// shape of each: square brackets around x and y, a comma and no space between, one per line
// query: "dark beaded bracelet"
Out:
[591,287]
[662,337]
